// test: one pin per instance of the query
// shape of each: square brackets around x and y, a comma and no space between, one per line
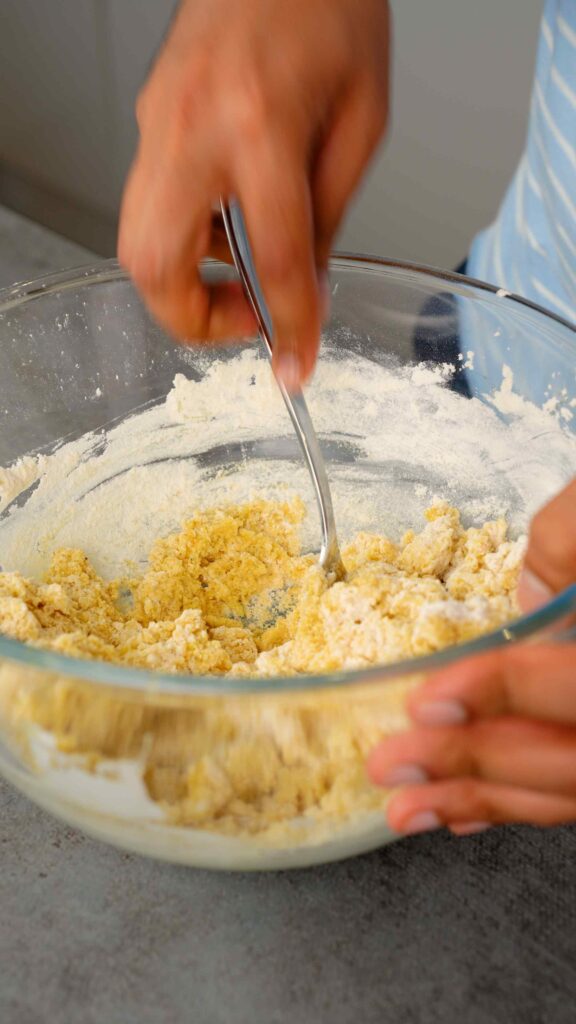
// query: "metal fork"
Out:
[330,558]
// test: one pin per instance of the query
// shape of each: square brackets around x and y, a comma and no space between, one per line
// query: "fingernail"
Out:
[425,821]
[325,297]
[469,828]
[440,712]
[288,370]
[404,775]
[532,591]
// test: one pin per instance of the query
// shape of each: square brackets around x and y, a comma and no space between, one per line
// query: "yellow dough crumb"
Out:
[233,595]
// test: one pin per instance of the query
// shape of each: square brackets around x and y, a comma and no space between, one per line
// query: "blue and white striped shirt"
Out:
[530,248]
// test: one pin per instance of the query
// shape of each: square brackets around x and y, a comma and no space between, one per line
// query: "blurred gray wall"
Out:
[70,69]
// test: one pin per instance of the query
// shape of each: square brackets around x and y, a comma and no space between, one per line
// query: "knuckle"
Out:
[186,110]
[175,95]
[250,111]
[468,757]
[469,750]
[472,799]
[193,94]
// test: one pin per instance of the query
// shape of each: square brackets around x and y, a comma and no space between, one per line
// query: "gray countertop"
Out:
[431,930]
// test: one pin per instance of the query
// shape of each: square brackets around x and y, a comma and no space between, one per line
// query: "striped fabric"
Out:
[530,249]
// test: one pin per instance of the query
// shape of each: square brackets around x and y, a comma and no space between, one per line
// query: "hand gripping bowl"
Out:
[428,384]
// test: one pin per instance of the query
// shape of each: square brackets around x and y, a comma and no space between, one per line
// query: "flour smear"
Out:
[395,440]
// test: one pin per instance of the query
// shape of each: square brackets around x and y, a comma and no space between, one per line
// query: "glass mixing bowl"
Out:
[428,384]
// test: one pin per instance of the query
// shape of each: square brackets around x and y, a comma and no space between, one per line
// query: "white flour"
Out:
[396,438]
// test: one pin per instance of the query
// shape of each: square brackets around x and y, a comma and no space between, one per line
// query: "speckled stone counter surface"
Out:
[431,930]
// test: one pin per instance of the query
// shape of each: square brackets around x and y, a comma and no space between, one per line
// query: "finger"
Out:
[465,801]
[167,273]
[191,311]
[525,682]
[507,751]
[343,158]
[277,208]
[550,562]
[165,220]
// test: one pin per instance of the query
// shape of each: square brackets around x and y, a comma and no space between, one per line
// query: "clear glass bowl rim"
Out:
[120,677]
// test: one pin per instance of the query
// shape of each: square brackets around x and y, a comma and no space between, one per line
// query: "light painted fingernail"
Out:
[288,370]
[425,821]
[532,591]
[469,828]
[404,775]
[440,712]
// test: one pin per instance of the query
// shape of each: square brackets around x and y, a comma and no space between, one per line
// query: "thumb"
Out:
[550,562]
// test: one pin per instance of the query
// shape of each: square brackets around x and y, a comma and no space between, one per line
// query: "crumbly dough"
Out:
[232,595]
